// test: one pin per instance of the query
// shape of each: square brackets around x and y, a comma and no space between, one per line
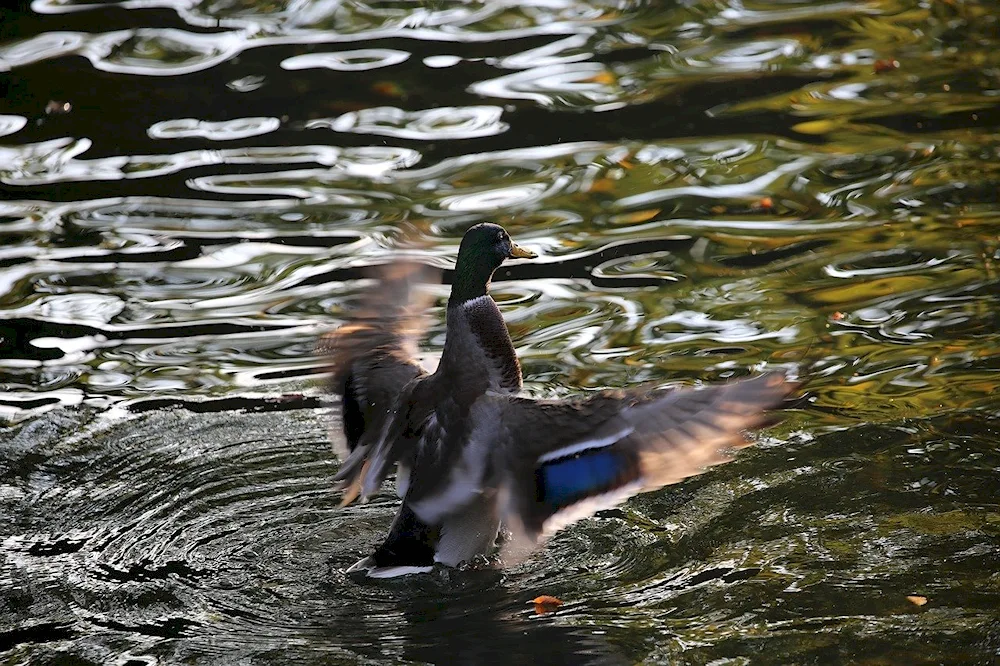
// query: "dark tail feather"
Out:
[410,543]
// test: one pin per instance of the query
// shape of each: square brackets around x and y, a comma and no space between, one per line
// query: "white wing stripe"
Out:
[586,444]
[588,507]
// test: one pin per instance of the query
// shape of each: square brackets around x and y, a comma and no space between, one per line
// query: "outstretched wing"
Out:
[372,361]
[561,461]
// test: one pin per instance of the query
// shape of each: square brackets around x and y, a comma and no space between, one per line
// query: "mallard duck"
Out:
[472,454]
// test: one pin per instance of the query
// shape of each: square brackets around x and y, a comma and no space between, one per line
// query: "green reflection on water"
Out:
[714,188]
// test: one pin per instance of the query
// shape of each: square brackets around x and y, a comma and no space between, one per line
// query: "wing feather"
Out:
[598,451]
[372,361]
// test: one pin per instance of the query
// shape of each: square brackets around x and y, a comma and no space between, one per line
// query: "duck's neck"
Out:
[472,278]
[478,353]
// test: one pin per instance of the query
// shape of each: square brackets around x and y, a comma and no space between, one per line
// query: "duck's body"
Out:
[472,454]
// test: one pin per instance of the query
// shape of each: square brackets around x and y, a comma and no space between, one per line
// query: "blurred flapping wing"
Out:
[372,361]
[568,459]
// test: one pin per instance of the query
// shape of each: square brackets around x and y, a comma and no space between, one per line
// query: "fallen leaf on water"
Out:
[816,127]
[602,78]
[886,65]
[636,216]
[602,185]
[914,599]
[388,89]
[545,604]
[54,107]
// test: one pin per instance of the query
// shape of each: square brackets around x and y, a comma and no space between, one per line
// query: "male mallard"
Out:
[473,454]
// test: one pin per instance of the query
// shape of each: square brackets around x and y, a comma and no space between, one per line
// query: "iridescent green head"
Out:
[484,247]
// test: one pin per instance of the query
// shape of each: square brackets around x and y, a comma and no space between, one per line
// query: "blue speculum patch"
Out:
[567,480]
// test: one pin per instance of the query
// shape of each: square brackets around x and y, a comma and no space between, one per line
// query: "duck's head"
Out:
[484,247]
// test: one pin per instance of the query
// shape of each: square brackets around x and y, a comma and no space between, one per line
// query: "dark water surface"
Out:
[190,191]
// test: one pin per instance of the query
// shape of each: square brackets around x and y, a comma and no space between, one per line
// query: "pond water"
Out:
[190,192]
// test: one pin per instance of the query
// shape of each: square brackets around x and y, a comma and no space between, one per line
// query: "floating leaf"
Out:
[57,108]
[602,185]
[914,599]
[636,217]
[603,78]
[389,89]
[885,65]
[816,127]
[545,604]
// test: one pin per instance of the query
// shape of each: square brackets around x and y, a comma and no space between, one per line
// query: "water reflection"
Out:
[440,123]
[582,85]
[192,193]
[228,130]
[12,124]
[348,61]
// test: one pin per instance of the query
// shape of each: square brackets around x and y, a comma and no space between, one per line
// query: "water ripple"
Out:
[227,130]
[57,161]
[11,124]
[40,47]
[347,61]
[713,187]
[163,52]
[432,124]
[574,85]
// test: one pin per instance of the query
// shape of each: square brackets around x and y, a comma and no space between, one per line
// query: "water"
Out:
[190,193]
